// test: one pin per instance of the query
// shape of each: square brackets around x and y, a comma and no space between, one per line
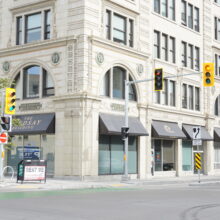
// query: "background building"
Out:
[69,59]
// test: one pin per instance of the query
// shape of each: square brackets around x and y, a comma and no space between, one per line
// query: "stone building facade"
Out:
[69,59]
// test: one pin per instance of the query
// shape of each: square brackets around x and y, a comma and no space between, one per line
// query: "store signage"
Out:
[28,152]
[117,107]
[34,172]
[30,106]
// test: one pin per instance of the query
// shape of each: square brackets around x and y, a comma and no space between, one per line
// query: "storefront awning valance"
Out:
[188,130]
[164,129]
[35,124]
[111,125]
[217,134]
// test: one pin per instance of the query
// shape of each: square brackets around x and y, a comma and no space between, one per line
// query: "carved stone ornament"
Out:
[55,58]
[140,69]
[6,66]
[99,58]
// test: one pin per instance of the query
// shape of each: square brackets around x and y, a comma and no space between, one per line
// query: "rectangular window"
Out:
[217,155]
[164,93]
[118,83]
[168,95]
[119,29]
[190,16]
[19,31]
[184,54]
[47,25]
[196,19]
[197,59]
[217,65]
[197,99]
[156,44]
[172,93]
[191,98]
[164,8]
[36,27]
[183,13]
[108,24]
[164,47]
[157,6]
[190,56]
[172,54]
[187,155]
[217,28]
[111,152]
[184,96]
[32,28]
[172,9]
[131,31]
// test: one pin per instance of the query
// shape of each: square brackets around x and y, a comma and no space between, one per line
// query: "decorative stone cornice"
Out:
[36,46]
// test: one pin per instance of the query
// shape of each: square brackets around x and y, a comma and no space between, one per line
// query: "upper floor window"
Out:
[168,95]
[119,28]
[217,65]
[164,47]
[165,7]
[190,97]
[190,16]
[33,82]
[190,56]
[114,84]
[217,106]
[217,28]
[33,27]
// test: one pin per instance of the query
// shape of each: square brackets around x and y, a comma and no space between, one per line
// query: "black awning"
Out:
[35,124]
[188,130]
[217,134]
[164,129]
[111,124]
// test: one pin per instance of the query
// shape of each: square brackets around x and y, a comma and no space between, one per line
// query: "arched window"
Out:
[217,106]
[33,82]
[114,86]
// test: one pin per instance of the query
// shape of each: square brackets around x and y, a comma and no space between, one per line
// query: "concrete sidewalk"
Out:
[7,185]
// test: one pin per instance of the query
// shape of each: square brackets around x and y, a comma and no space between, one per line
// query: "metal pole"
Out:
[1,145]
[126,139]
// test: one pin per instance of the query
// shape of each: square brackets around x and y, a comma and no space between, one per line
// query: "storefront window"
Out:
[187,155]
[32,147]
[217,155]
[111,153]
[164,155]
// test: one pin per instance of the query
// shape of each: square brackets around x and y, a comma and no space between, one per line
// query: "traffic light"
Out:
[10,101]
[208,74]
[158,79]
[6,123]
[124,132]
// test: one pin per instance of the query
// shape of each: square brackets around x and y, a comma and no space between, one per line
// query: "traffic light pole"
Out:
[127,84]
[2,145]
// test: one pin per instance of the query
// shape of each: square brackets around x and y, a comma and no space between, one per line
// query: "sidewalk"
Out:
[7,185]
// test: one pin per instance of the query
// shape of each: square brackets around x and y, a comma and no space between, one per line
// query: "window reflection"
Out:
[33,28]
[33,82]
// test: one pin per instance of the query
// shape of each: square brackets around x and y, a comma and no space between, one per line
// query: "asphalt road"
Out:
[149,203]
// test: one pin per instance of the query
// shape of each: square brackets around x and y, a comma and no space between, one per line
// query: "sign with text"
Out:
[34,172]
